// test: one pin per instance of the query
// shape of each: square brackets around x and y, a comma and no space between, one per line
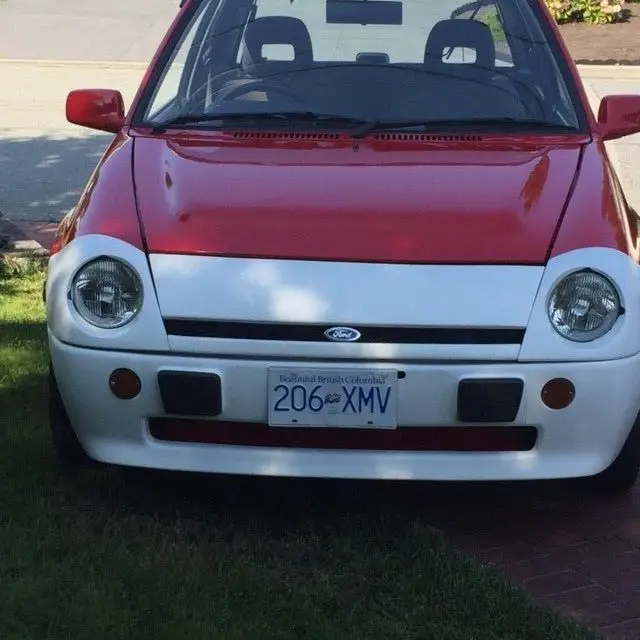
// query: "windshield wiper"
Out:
[501,124]
[277,116]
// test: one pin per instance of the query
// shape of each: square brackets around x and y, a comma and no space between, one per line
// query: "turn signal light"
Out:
[125,384]
[558,393]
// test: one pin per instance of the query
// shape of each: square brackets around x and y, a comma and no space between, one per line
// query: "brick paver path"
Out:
[572,549]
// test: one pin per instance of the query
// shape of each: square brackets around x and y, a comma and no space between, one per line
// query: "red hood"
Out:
[328,200]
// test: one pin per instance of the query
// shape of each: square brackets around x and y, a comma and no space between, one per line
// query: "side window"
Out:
[489,14]
[492,18]
[169,86]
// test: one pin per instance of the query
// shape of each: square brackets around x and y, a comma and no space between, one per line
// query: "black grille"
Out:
[316,332]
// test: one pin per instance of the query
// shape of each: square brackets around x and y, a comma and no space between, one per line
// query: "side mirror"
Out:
[619,116]
[101,109]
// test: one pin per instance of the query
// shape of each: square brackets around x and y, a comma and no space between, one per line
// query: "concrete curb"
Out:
[590,70]
[616,72]
[96,64]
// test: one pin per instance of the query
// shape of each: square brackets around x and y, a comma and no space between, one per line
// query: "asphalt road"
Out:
[131,30]
[119,30]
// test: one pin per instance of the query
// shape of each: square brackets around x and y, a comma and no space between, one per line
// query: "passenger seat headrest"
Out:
[277,30]
[461,33]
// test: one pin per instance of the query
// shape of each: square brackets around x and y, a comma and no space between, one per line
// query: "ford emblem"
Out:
[343,334]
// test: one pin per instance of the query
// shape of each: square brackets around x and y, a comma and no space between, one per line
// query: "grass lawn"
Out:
[122,554]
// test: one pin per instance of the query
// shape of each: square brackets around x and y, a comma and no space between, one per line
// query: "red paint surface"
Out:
[107,205]
[594,217]
[495,201]
[498,200]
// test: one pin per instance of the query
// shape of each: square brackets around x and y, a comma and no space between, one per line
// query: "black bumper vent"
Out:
[190,393]
[484,400]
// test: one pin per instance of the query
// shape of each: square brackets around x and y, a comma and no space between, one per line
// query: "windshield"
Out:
[351,62]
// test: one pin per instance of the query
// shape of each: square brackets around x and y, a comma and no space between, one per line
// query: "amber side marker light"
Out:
[125,384]
[558,393]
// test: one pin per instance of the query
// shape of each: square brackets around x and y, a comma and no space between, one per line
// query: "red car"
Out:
[352,239]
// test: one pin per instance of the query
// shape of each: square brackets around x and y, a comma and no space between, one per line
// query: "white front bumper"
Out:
[578,441]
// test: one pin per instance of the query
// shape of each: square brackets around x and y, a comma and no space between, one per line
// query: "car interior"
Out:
[461,76]
[371,83]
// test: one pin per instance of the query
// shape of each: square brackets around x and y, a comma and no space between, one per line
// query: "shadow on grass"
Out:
[22,382]
[28,334]
[9,286]
[478,516]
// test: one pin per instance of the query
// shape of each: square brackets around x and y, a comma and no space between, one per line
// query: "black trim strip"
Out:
[315,333]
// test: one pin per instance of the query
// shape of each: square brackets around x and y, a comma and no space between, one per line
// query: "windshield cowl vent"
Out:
[427,137]
[284,135]
[386,137]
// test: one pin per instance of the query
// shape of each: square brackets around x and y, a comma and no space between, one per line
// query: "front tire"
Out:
[70,452]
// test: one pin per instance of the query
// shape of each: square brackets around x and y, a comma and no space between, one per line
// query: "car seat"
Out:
[276,30]
[468,89]
[454,34]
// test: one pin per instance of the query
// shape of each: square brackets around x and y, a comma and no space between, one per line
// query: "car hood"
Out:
[453,203]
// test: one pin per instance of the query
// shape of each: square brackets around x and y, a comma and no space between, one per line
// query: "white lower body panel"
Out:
[581,440]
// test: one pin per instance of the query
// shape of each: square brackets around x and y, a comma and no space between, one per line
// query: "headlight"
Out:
[107,293]
[584,306]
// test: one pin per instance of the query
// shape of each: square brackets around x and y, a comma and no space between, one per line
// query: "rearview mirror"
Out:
[363,12]
[619,116]
[101,109]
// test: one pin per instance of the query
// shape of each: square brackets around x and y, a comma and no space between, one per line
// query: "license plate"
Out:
[333,398]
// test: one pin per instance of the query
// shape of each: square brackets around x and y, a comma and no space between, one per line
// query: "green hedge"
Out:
[591,11]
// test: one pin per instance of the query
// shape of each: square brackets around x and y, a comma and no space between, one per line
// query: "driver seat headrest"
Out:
[277,30]
[461,33]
